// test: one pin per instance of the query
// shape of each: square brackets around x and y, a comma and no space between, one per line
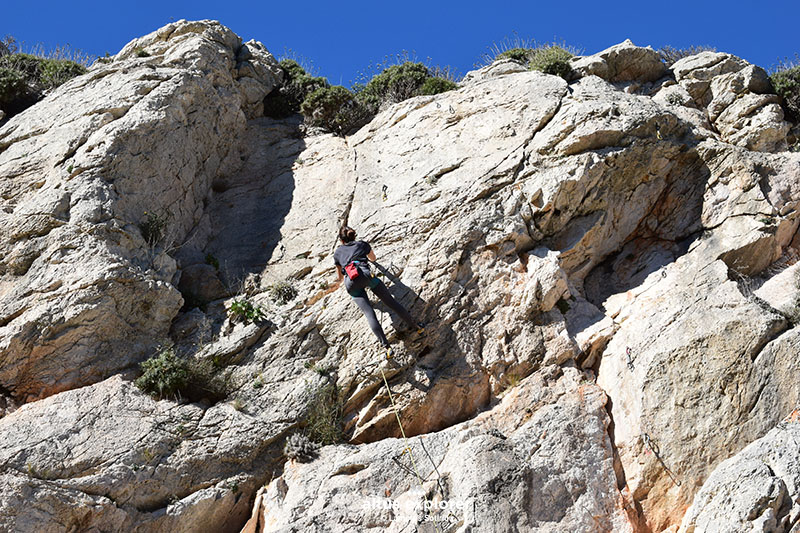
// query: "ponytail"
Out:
[347,234]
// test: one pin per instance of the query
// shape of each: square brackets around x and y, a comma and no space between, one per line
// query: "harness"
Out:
[355,272]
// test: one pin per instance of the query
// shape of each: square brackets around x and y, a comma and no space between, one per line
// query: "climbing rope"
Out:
[407,446]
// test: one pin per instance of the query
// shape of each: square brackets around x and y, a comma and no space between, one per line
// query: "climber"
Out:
[351,266]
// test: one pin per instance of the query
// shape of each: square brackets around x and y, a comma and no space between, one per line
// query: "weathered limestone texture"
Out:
[83,293]
[607,270]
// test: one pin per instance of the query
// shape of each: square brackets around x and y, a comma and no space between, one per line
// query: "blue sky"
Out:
[344,38]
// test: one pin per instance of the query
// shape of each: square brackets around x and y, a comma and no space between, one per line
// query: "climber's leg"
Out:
[361,300]
[386,297]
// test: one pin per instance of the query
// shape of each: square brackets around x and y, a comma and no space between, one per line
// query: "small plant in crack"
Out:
[300,448]
[238,404]
[323,421]
[245,311]
[153,227]
[213,261]
[321,370]
[282,292]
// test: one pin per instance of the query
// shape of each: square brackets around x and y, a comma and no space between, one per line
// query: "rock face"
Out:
[510,462]
[623,62]
[99,179]
[737,98]
[758,489]
[606,268]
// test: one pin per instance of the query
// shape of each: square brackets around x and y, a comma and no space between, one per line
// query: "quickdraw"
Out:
[654,448]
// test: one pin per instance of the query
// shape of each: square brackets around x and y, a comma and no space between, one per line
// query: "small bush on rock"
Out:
[297,85]
[163,376]
[395,84]
[153,227]
[245,311]
[324,419]
[12,87]
[551,59]
[437,85]
[24,78]
[300,448]
[335,109]
[167,376]
[282,292]
[400,82]
[517,54]
[786,81]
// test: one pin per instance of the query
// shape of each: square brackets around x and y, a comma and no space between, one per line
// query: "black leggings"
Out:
[362,301]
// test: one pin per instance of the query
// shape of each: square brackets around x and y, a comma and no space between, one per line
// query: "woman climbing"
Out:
[351,265]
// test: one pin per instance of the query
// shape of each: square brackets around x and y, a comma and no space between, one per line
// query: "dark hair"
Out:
[347,234]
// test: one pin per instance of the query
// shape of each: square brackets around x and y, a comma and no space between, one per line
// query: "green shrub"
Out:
[517,54]
[297,85]
[25,77]
[786,81]
[334,108]
[153,227]
[55,73]
[515,47]
[395,84]
[12,87]
[670,54]
[324,418]
[437,85]
[282,292]
[164,376]
[245,311]
[167,376]
[551,59]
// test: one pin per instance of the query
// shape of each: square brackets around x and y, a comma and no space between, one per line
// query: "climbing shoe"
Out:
[389,352]
[420,328]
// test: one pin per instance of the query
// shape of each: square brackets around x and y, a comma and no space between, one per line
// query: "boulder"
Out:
[695,72]
[622,62]
[201,284]
[497,68]
[744,114]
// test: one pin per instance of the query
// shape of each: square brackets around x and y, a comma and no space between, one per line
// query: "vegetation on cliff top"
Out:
[786,81]
[26,77]
[341,110]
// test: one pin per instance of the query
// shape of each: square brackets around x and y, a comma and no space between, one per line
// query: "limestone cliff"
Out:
[607,268]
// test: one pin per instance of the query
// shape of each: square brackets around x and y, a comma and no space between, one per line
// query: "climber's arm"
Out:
[371,255]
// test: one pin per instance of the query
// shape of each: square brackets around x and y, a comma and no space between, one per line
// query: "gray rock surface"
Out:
[735,94]
[541,460]
[83,293]
[758,489]
[538,227]
[622,62]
